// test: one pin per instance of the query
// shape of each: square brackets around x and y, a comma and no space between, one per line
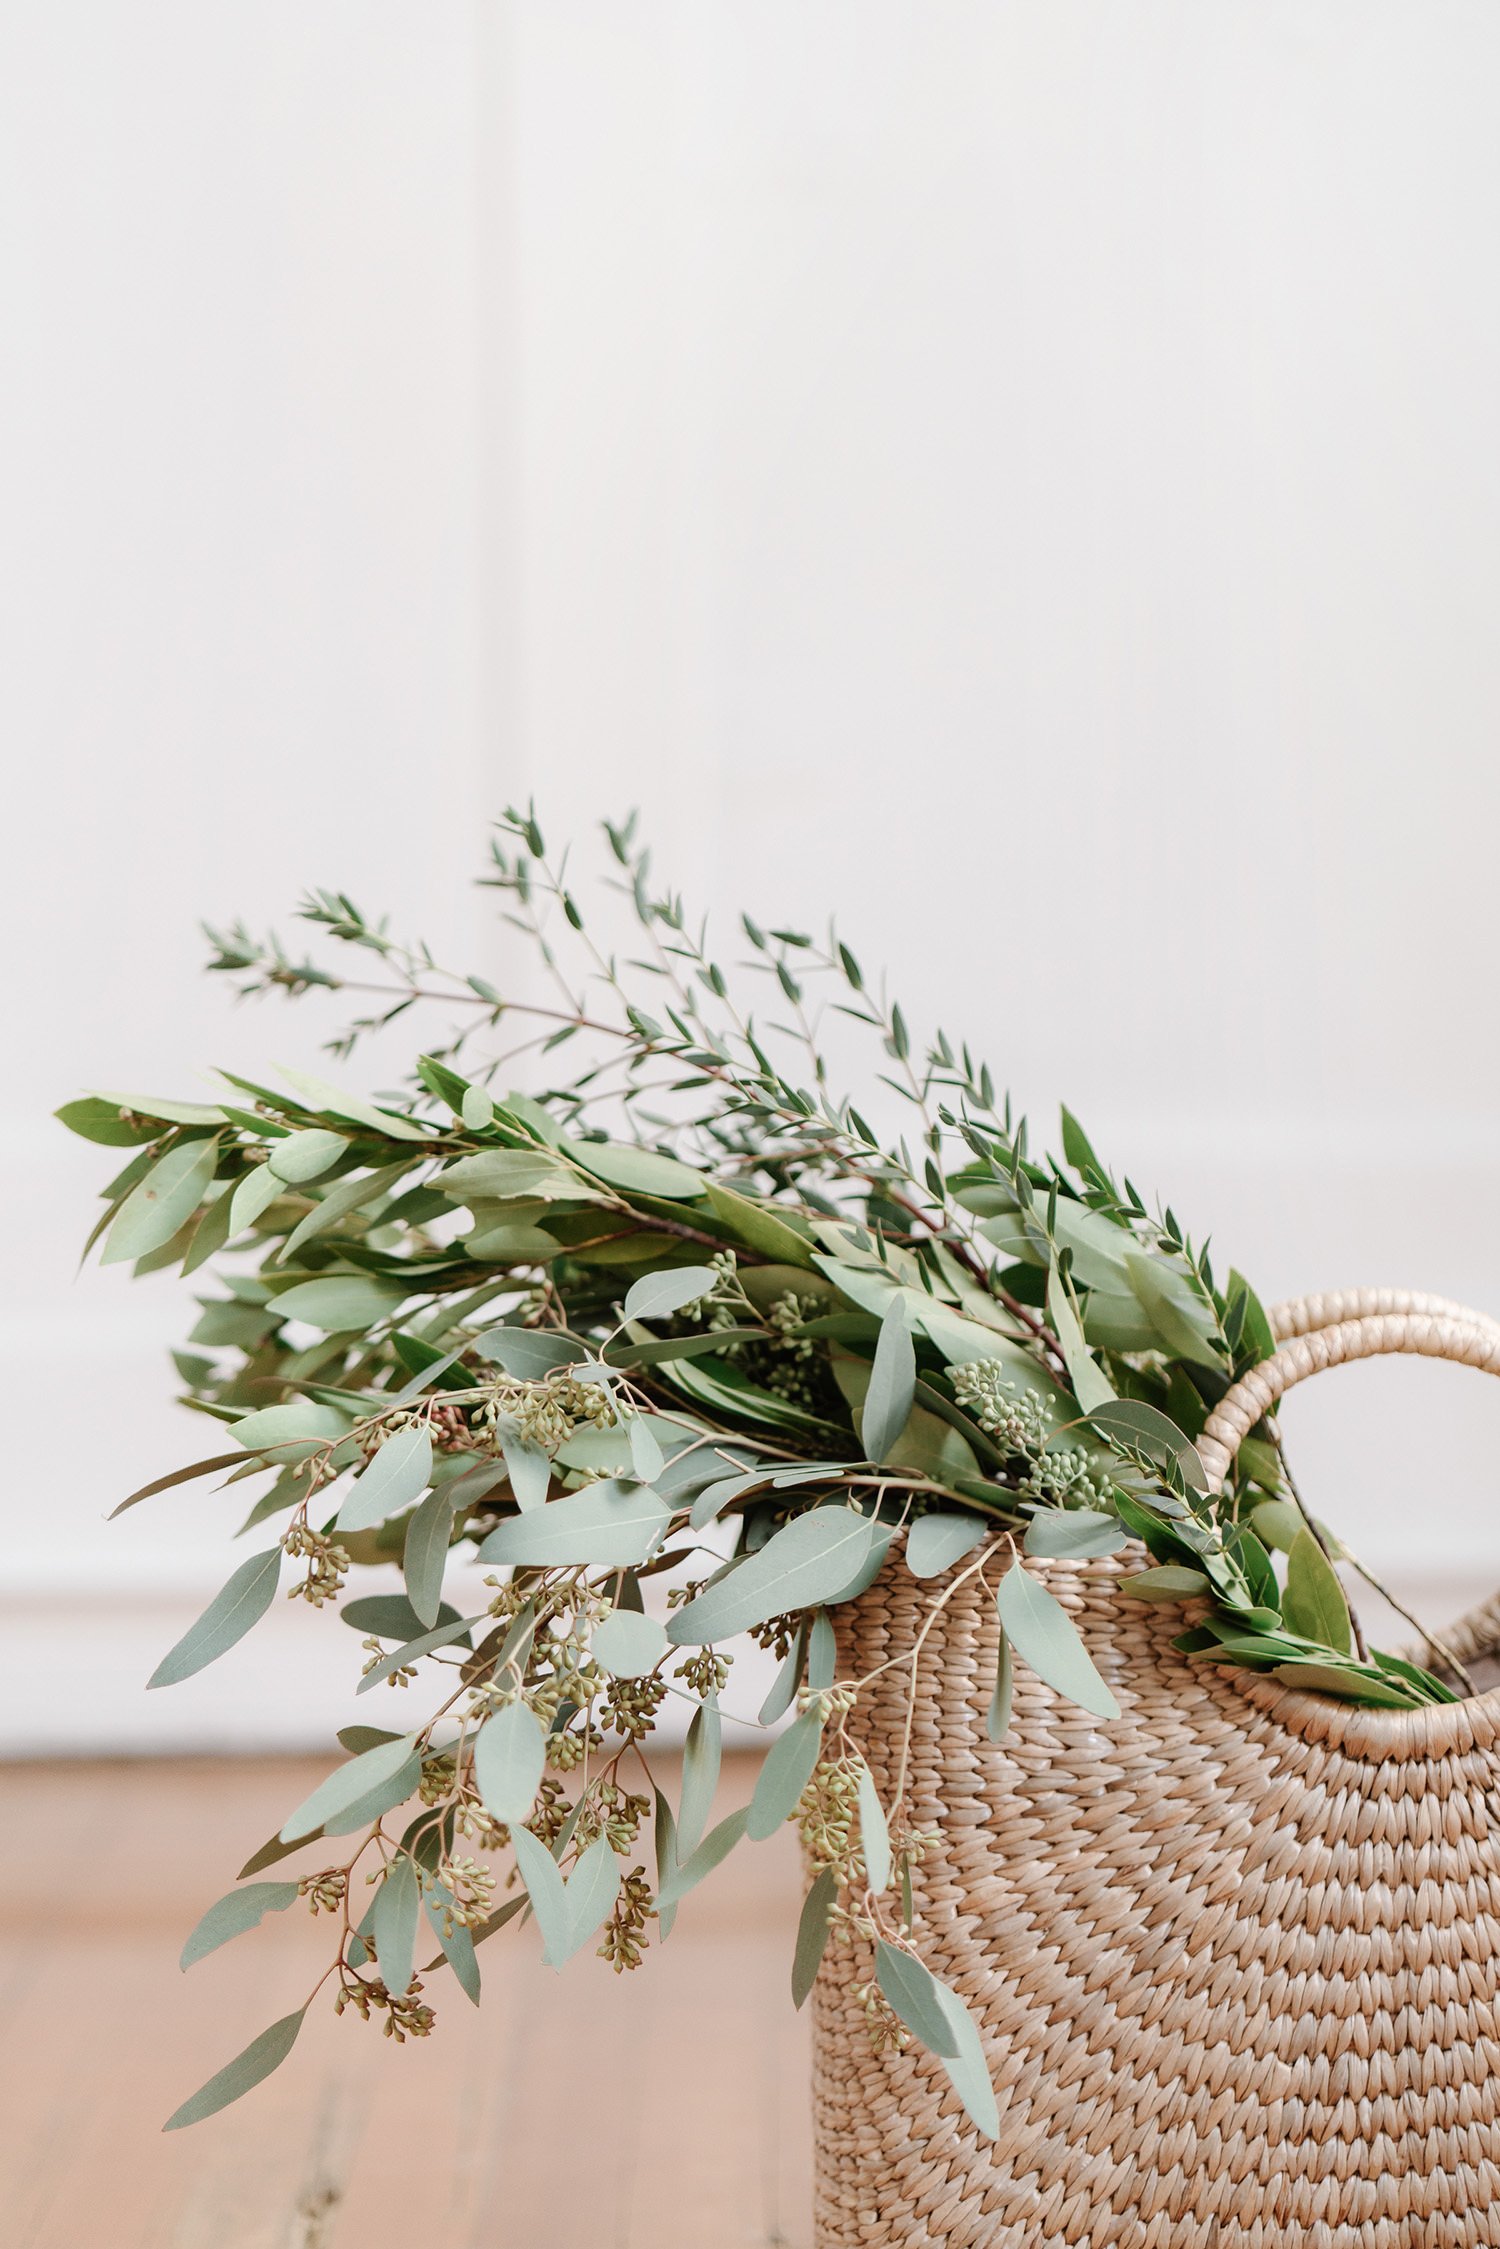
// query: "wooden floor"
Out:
[663,2110]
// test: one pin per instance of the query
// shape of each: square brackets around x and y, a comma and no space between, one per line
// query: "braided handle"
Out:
[1299,1315]
[1469,1341]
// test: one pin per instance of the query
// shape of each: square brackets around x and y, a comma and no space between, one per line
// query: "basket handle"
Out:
[1470,1340]
[1299,1315]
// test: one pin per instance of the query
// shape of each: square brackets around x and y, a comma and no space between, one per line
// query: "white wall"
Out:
[1023,475]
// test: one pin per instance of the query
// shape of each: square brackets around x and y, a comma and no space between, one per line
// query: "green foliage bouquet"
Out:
[678,1350]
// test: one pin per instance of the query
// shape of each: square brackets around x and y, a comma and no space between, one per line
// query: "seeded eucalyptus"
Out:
[668,1351]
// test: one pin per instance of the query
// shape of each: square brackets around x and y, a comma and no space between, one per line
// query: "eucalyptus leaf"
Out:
[613,1525]
[892,1388]
[937,1540]
[510,1755]
[1313,1603]
[1076,1532]
[457,1941]
[425,1555]
[1090,1384]
[913,1991]
[398,1907]
[527,1354]
[547,1892]
[807,1562]
[784,1775]
[412,1651]
[330,1101]
[997,1717]
[710,1853]
[875,1835]
[812,1933]
[628,1645]
[1045,1636]
[259,2058]
[235,1913]
[760,1226]
[341,1303]
[305,1155]
[347,1785]
[701,1757]
[639,1171]
[398,1474]
[1170,1582]
[235,1608]
[658,1295]
[162,1201]
[290,1432]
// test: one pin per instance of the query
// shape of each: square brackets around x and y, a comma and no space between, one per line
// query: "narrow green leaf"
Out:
[656,1296]
[646,1457]
[397,1475]
[260,2057]
[1313,1603]
[639,1171]
[477,1109]
[162,1201]
[1045,1636]
[893,1385]
[591,1892]
[628,1645]
[290,1432]
[305,1155]
[529,1468]
[528,1355]
[759,1225]
[808,1561]
[339,1202]
[913,1992]
[1091,1386]
[179,1476]
[398,1907]
[101,1121]
[376,1802]
[347,1784]
[822,1651]
[546,1890]
[701,1758]
[510,1753]
[425,1556]
[231,1915]
[238,1605]
[711,1852]
[1170,1582]
[329,1101]
[251,1194]
[612,1524]
[997,1718]
[968,2072]
[875,1835]
[812,1934]
[340,1303]
[936,1541]
[412,1651]
[783,1692]
[390,1616]
[1073,1533]
[786,1772]
[456,1941]
[1145,1429]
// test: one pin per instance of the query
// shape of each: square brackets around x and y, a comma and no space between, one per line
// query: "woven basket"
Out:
[1235,1958]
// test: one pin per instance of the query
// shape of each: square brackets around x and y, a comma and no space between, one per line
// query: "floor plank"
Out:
[663,2110]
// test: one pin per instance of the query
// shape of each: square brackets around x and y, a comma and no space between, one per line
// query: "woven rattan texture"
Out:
[1235,1958]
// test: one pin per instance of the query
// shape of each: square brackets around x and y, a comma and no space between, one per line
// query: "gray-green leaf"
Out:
[231,1915]
[1313,1603]
[612,1524]
[339,1302]
[398,1906]
[241,1603]
[893,1385]
[875,1835]
[628,1645]
[913,1992]
[812,1933]
[425,1556]
[347,1785]
[701,1758]
[935,1542]
[809,1560]
[305,1155]
[997,1718]
[1075,1533]
[397,1475]
[1045,1636]
[656,1296]
[162,1201]
[786,1772]
[510,1751]
[260,2057]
